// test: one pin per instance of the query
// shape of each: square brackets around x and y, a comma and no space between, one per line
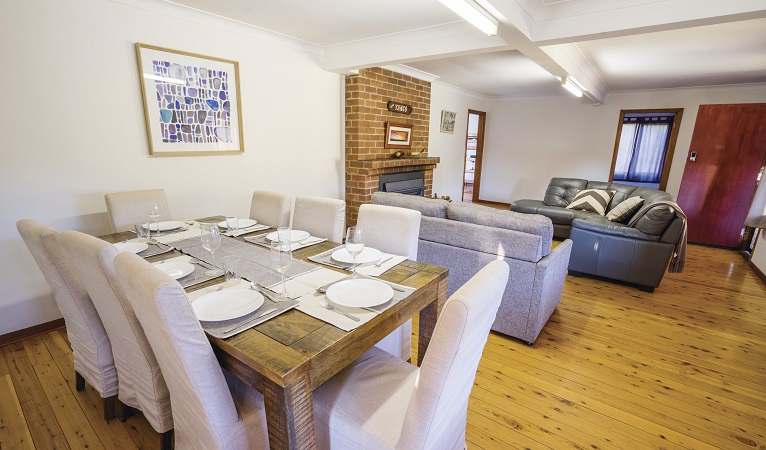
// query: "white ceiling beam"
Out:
[644,18]
[452,39]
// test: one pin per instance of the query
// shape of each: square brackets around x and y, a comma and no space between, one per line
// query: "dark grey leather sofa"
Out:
[638,254]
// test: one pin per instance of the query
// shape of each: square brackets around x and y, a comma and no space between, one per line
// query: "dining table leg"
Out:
[427,319]
[289,414]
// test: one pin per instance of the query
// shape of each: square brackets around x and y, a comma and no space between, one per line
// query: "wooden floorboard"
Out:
[614,368]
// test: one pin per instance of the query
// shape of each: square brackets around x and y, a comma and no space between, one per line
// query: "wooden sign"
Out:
[399,107]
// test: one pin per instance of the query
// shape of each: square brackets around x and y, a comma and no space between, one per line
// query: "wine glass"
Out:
[211,240]
[155,211]
[281,259]
[354,245]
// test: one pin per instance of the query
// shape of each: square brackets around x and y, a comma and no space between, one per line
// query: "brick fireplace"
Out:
[367,95]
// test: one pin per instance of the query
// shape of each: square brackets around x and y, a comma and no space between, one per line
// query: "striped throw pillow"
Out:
[625,210]
[594,200]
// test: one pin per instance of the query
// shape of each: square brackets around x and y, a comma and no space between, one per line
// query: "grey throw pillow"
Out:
[594,200]
[625,210]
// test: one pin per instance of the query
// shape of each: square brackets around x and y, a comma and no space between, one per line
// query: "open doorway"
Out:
[474,145]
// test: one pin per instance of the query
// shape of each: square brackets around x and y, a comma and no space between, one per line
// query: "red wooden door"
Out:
[717,189]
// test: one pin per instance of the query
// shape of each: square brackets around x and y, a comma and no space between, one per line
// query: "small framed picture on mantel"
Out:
[398,135]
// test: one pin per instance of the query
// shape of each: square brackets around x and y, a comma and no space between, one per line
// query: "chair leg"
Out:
[126,411]
[79,381]
[166,440]
[110,404]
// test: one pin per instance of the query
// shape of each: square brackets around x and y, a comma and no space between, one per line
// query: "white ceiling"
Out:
[607,45]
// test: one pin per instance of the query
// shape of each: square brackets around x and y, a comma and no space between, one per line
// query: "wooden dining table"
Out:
[289,356]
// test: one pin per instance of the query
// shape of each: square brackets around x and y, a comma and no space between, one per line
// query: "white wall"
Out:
[529,141]
[448,176]
[73,128]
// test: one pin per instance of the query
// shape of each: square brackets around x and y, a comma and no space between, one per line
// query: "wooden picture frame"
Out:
[191,102]
[398,136]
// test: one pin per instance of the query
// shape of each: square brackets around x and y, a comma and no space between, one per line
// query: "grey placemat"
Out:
[255,264]
[263,242]
[154,249]
[218,329]
[326,259]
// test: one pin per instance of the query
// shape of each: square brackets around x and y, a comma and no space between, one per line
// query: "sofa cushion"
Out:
[595,200]
[431,207]
[481,238]
[509,220]
[625,210]
[561,191]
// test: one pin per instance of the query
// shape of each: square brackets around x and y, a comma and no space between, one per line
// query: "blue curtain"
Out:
[641,152]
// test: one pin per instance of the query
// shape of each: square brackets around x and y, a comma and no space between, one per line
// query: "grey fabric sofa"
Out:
[637,255]
[464,238]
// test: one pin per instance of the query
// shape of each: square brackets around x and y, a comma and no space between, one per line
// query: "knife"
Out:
[267,312]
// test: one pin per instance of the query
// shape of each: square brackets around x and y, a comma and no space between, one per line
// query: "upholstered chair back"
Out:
[439,404]
[90,343]
[390,229]
[271,208]
[141,383]
[320,216]
[128,208]
[203,408]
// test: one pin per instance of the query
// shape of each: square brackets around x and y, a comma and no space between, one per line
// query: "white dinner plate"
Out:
[131,247]
[367,256]
[166,225]
[175,269]
[295,235]
[227,304]
[360,292]
[243,223]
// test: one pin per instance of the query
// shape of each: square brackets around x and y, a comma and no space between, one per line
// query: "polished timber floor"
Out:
[615,368]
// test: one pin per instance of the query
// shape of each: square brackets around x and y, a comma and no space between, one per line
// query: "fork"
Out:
[329,307]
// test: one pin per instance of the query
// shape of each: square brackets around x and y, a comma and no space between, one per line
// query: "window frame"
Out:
[668,159]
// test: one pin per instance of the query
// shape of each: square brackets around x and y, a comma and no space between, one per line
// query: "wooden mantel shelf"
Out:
[377,166]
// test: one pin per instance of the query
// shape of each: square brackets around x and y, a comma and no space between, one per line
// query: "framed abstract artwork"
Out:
[398,135]
[191,102]
[448,122]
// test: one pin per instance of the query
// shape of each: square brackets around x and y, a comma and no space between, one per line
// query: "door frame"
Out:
[479,153]
[668,160]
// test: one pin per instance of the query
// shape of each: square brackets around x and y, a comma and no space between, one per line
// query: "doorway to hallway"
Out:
[474,146]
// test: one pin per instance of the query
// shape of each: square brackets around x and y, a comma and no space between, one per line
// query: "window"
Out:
[644,147]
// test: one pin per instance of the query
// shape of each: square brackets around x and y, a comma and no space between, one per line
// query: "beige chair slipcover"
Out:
[271,208]
[320,216]
[128,208]
[392,230]
[381,402]
[141,383]
[205,414]
[90,344]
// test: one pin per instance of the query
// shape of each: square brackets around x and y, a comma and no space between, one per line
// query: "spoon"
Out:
[263,290]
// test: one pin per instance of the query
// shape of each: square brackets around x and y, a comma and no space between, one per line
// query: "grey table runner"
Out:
[255,264]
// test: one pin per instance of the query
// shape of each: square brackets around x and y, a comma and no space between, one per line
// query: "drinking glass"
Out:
[142,232]
[281,258]
[155,211]
[232,223]
[284,234]
[231,269]
[354,245]
[211,240]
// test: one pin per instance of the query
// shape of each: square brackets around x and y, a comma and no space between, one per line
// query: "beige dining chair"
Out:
[141,385]
[320,216]
[212,409]
[405,407]
[392,230]
[271,208]
[93,361]
[125,209]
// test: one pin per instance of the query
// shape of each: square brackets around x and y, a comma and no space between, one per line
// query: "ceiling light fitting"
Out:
[571,85]
[474,14]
